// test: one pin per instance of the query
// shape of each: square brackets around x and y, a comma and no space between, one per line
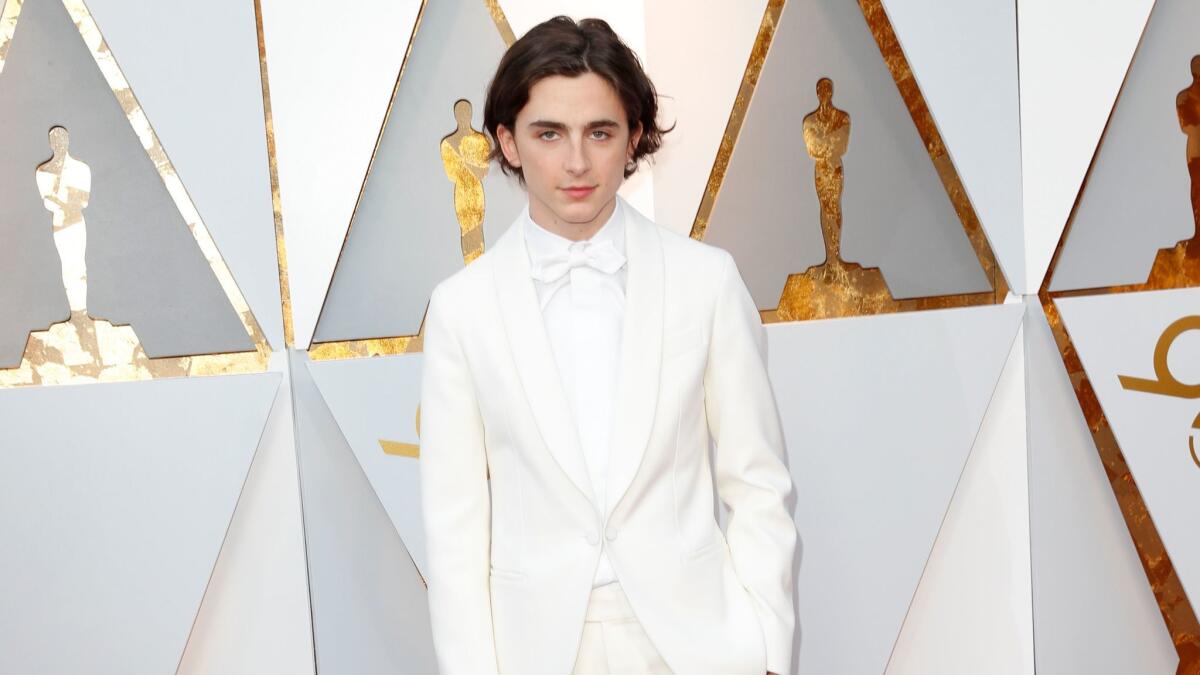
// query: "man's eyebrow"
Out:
[559,126]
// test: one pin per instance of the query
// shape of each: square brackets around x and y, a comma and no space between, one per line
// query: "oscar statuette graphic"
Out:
[465,159]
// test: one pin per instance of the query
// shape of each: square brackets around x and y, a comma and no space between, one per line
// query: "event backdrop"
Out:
[970,229]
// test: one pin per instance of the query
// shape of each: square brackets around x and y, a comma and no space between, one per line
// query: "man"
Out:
[574,374]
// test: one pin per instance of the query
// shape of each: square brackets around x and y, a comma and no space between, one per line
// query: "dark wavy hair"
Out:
[560,46]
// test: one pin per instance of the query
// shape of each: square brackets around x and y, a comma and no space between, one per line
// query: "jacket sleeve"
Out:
[750,474]
[455,502]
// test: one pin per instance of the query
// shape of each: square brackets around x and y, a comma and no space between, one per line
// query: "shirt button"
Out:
[611,534]
[592,537]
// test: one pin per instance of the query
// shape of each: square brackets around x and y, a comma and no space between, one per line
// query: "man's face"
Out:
[572,142]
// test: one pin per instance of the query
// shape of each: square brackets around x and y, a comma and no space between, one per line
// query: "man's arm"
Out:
[750,473]
[455,504]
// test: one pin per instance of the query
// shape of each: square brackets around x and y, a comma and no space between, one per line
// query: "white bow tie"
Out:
[600,255]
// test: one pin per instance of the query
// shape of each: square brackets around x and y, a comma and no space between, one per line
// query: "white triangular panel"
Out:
[1117,336]
[376,400]
[369,605]
[114,502]
[974,98]
[255,619]
[696,88]
[1094,611]
[879,414]
[1074,55]
[973,611]
[206,105]
[332,69]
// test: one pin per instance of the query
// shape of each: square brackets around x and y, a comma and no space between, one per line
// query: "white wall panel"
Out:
[255,617]
[973,612]
[879,417]
[1094,611]
[1116,335]
[964,56]
[1074,54]
[332,69]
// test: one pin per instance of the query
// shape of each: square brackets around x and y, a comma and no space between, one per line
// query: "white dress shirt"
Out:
[583,313]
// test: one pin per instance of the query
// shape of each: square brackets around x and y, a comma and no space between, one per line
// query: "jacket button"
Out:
[611,534]
[592,537]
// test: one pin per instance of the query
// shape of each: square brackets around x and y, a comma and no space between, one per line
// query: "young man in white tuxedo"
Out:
[574,374]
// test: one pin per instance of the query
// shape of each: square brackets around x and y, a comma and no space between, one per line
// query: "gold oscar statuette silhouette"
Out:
[836,287]
[465,159]
[83,347]
[1179,266]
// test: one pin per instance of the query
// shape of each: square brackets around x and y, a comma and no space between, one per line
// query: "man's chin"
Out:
[580,212]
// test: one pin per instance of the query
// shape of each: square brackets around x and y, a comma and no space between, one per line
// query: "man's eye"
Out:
[600,135]
[548,135]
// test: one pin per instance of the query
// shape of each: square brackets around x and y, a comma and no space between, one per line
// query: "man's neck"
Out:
[546,219]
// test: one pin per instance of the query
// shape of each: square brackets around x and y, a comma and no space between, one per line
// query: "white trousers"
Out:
[614,642]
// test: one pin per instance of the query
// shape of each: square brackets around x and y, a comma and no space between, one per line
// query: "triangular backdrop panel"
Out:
[880,414]
[1138,194]
[1094,611]
[144,266]
[1088,44]
[697,88]
[255,618]
[1117,335]
[974,98]
[207,107]
[331,78]
[114,501]
[405,236]
[376,400]
[974,604]
[896,213]
[369,605]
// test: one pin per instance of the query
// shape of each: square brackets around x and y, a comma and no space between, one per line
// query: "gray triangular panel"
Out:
[370,611]
[896,214]
[207,107]
[114,502]
[405,237]
[372,400]
[1137,196]
[144,267]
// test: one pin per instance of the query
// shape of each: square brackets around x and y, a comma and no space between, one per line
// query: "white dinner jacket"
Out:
[513,540]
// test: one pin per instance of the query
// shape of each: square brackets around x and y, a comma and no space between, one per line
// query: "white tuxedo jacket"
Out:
[512,538]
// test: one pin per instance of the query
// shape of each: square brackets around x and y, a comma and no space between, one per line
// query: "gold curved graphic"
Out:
[83,349]
[401,448]
[1174,267]
[467,157]
[841,291]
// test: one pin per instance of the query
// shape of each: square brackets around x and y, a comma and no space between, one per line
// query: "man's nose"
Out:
[577,161]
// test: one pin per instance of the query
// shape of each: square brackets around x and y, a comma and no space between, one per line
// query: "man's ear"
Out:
[508,145]
[635,135]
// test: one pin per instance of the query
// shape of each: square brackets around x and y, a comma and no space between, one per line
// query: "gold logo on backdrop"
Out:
[465,159]
[402,449]
[1175,267]
[1165,383]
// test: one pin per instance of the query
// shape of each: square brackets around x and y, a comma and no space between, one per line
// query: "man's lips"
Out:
[579,192]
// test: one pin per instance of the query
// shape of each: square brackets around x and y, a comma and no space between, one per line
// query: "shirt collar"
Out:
[542,242]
